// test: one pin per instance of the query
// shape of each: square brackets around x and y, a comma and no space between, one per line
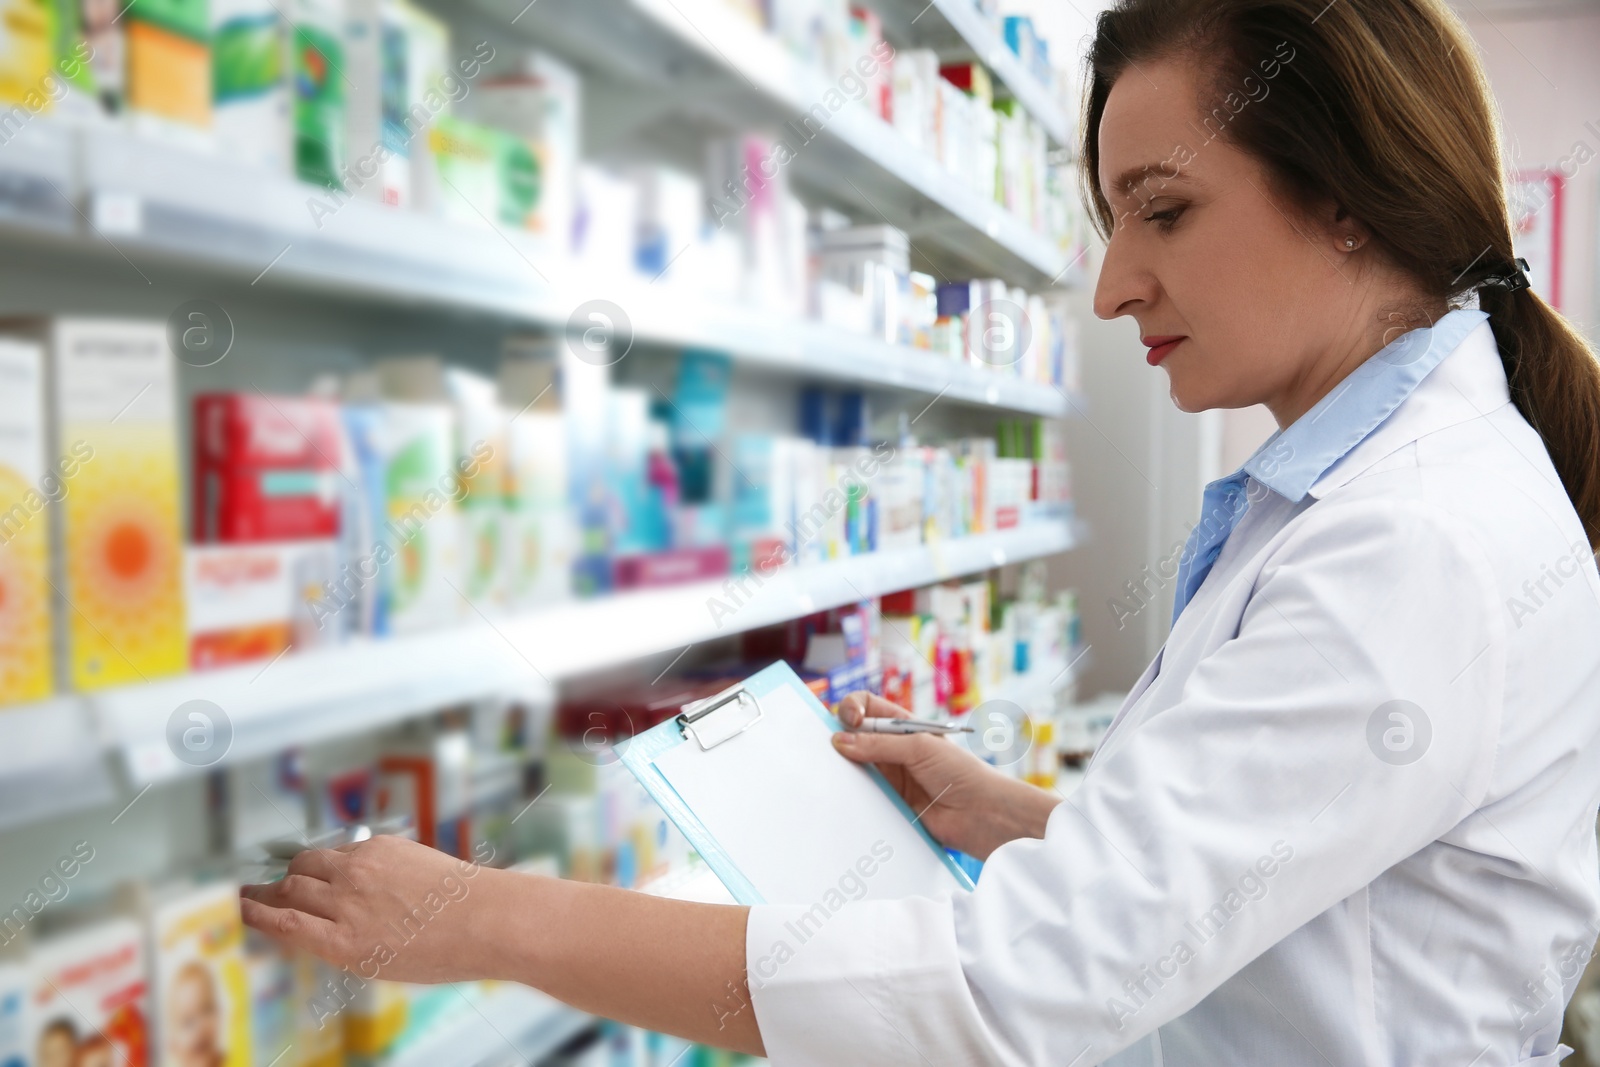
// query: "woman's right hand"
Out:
[965,803]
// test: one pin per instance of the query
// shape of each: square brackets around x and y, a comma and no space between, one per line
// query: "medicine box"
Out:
[119,545]
[88,996]
[265,467]
[253,601]
[27,486]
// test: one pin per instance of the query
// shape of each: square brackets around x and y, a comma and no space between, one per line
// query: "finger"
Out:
[885,748]
[294,928]
[300,892]
[858,706]
[318,863]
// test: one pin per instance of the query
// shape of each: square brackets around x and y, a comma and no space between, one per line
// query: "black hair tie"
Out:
[1511,279]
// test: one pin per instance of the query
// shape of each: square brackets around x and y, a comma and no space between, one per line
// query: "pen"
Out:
[909,726]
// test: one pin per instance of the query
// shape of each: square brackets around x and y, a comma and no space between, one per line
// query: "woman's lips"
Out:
[1160,347]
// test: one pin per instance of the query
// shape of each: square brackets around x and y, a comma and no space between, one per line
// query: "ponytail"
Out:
[1555,383]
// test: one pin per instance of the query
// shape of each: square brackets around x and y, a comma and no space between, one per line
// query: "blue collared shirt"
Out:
[1292,459]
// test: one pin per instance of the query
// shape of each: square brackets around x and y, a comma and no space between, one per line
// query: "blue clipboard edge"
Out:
[640,754]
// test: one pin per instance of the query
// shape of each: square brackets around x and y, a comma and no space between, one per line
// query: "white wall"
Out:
[1546,79]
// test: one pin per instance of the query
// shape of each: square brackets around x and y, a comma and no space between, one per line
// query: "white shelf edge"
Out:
[762,62]
[989,45]
[50,762]
[378,252]
[322,693]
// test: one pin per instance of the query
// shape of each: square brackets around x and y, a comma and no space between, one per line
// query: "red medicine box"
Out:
[265,467]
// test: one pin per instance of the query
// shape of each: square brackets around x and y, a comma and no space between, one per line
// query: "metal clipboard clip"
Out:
[726,727]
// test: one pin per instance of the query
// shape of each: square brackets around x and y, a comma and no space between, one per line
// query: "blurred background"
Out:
[407,402]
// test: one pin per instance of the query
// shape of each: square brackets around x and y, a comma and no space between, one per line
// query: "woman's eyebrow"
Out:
[1163,172]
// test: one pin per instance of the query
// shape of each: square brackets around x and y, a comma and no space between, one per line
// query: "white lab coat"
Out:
[1264,865]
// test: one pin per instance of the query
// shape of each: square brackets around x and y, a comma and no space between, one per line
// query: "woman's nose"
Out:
[1124,283]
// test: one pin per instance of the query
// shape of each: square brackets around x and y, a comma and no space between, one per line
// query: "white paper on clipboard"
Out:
[797,817]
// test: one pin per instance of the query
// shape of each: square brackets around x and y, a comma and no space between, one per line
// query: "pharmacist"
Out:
[1347,816]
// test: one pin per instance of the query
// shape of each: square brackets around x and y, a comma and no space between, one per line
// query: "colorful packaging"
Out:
[376,50]
[270,979]
[319,1037]
[585,391]
[427,69]
[316,60]
[252,601]
[480,456]
[538,104]
[359,593]
[13,1015]
[763,502]
[265,467]
[421,489]
[191,18]
[538,536]
[374,1018]
[202,995]
[27,661]
[120,541]
[251,95]
[26,46]
[486,175]
[88,1006]
[169,68]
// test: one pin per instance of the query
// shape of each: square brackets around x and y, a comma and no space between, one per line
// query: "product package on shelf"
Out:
[538,536]
[29,481]
[480,457]
[265,467]
[252,99]
[30,47]
[423,487]
[537,102]
[378,105]
[316,36]
[14,1051]
[763,503]
[270,976]
[488,177]
[201,998]
[423,520]
[119,542]
[319,1037]
[252,601]
[89,990]
[168,80]
[427,99]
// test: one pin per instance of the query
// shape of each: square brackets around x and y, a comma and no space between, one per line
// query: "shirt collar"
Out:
[1292,460]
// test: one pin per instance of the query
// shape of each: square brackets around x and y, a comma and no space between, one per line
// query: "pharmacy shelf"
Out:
[50,762]
[957,28]
[212,214]
[1039,684]
[321,693]
[502,1024]
[305,697]
[750,80]
[591,635]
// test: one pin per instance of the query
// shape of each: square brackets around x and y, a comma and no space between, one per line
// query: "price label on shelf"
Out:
[117,214]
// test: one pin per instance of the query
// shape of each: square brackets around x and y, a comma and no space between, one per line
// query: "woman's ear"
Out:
[1347,234]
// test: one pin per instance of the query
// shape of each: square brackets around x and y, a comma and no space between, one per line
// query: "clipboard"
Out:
[751,778]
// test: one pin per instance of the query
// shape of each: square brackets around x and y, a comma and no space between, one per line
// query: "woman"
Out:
[1348,814]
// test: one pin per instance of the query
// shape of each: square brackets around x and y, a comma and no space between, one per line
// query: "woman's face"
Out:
[1254,296]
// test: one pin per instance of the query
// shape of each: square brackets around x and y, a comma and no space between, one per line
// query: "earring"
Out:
[1350,243]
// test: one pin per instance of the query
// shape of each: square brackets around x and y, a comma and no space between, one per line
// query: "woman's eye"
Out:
[1164,219]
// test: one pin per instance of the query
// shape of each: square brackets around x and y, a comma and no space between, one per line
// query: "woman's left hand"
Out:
[387,907]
